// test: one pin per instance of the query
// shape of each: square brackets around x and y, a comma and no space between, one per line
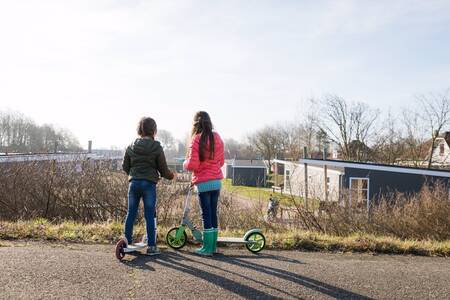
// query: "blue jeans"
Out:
[208,203]
[146,190]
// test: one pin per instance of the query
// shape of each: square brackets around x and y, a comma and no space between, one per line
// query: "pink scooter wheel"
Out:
[120,253]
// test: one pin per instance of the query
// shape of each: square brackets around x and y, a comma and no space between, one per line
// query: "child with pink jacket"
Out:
[205,159]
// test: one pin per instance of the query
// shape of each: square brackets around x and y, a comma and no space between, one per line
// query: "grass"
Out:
[259,193]
[42,229]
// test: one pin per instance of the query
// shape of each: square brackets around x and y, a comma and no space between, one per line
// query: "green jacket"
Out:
[145,159]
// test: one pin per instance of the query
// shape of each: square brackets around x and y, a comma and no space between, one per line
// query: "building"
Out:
[248,173]
[227,169]
[365,183]
[112,162]
[441,154]
[293,181]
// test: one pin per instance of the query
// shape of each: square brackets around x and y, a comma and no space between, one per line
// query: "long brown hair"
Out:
[203,125]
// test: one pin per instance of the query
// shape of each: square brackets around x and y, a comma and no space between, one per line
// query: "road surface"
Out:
[36,270]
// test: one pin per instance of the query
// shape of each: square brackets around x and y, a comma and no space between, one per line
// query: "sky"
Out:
[96,67]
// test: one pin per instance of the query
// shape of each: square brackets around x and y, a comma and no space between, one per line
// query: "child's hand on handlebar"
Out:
[175,175]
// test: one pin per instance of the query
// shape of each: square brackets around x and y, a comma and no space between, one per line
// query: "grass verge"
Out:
[288,240]
[260,193]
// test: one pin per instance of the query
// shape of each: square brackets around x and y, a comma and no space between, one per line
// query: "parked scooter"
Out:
[176,238]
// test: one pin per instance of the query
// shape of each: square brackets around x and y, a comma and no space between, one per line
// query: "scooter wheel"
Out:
[120,253]
[173,242]
[255,242]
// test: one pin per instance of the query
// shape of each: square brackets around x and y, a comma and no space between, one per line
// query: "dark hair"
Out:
[146,127]
[203,125]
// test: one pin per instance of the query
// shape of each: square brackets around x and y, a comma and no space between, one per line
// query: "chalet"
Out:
[247,172]
[366,183]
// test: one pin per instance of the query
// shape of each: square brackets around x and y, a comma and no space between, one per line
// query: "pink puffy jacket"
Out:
[210,169]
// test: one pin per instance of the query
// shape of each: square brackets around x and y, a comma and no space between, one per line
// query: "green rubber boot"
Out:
[214,241]
[206,249]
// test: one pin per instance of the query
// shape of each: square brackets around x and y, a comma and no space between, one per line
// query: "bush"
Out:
[80,190]
[89,192]
[423,216]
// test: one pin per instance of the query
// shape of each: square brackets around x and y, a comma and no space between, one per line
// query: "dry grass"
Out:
[81,190]
[260,194]
[286,240]
[421,216]
[56,202]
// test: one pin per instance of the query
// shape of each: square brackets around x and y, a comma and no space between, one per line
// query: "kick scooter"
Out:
[176,238]
[122,248]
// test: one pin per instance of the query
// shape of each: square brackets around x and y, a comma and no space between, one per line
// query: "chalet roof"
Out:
[249,163]
[335,169]
[446,137]
[377,167]
[426,146]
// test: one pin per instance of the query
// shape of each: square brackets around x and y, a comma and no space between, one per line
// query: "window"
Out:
[441,149]
[359,191]
[328,185]
[287,177]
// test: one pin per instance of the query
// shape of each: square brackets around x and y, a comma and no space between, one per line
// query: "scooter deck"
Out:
[134,247]
[232,240]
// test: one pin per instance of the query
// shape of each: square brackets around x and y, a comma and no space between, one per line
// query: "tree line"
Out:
[20,134]
[353,131]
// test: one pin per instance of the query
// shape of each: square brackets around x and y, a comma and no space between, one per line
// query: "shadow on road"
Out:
[183,263]
[260,256]
[307,282]
[174,261]
[139,262]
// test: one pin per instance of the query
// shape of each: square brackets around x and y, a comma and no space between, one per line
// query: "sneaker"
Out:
[152,250]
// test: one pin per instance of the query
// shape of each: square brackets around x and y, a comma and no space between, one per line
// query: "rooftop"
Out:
[377,167]
[250,163]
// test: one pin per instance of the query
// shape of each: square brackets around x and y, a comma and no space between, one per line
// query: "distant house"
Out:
[58,157]
[365,183]
[441,154]
[248,172]
[111,161]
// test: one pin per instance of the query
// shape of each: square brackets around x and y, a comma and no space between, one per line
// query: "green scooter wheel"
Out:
[172,241]
[255,242]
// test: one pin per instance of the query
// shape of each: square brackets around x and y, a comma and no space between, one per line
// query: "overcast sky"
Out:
[96,67]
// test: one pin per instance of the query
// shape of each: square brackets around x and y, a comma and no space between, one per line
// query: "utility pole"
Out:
[325,173]
[305,156]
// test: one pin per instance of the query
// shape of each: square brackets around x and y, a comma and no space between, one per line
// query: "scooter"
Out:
[177,238]
[122,248]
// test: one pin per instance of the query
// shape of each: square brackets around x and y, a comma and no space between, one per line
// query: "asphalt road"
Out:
[74,271]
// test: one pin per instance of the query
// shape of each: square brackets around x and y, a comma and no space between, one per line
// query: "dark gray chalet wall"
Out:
[229,171]
[249,176]
[385,182]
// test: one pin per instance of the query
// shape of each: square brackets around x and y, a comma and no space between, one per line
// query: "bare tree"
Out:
[435,111]
[20,134]
[390,145]
[289,136]
[348,125]
[239,150]
[166,138]
[415,137]
[266,142]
